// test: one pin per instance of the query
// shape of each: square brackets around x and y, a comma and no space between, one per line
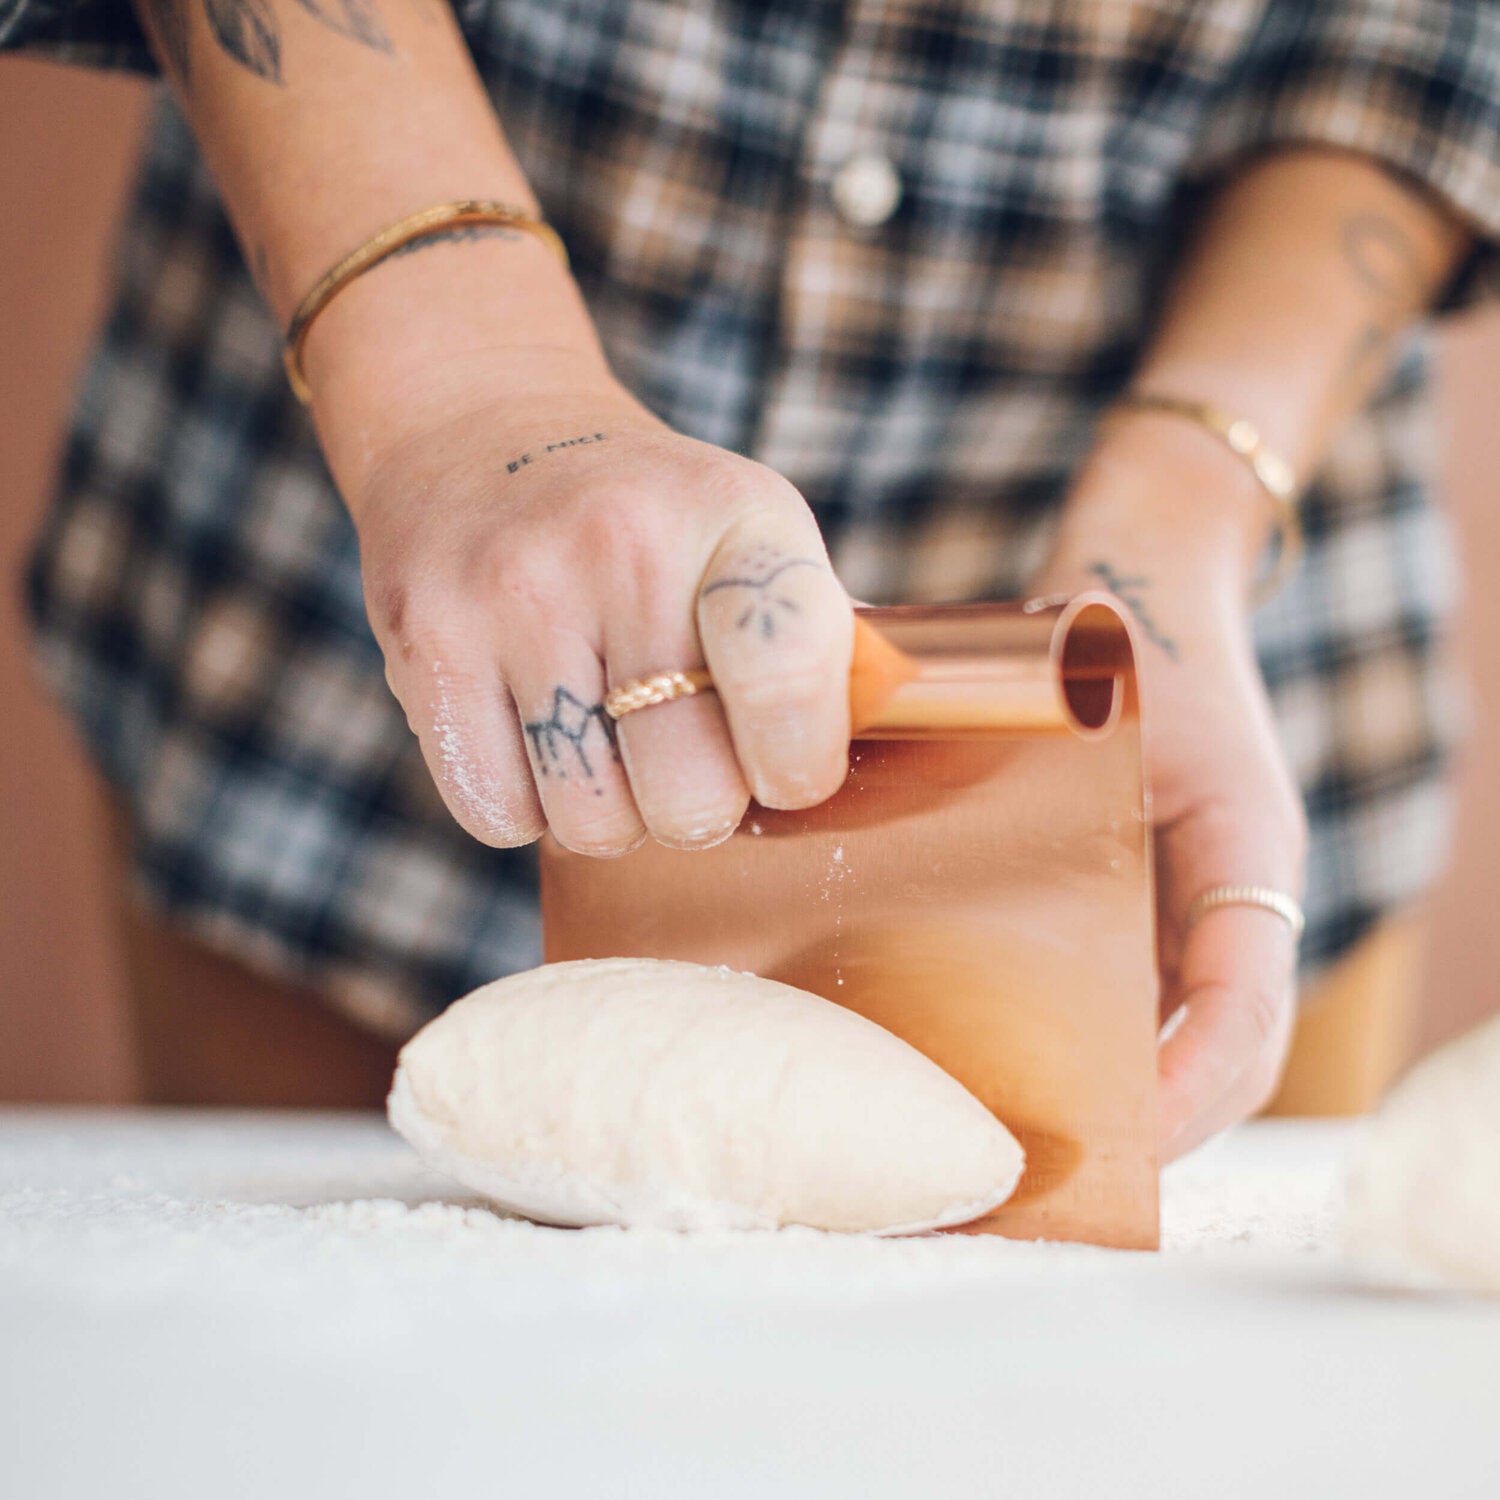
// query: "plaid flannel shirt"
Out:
[930,382]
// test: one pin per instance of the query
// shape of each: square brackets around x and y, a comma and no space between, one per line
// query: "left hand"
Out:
[1154,521]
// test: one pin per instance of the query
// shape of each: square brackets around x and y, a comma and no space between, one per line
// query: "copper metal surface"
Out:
[981,886]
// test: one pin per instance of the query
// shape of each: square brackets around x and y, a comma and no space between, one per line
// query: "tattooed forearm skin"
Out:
[1131,592]
[355,19]
[249,31]
[1385,261]
[567,742]
[531,456]
[758,575]
[170,22]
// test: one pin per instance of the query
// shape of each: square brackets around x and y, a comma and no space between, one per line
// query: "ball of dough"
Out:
[645,1092]
[1425,1191]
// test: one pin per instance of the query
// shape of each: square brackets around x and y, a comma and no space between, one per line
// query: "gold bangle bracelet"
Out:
[1272,472]
[379,246]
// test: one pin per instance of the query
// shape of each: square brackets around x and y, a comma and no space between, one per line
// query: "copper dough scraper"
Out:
[981,886]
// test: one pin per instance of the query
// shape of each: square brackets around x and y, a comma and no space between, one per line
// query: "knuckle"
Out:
[1266,1010]
[783,688]
[429,634]
[1270,1015]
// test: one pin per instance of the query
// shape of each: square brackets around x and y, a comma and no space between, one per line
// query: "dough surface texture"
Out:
[648,1092]
[1424,1193]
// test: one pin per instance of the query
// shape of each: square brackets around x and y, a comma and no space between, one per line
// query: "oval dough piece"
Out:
[1425,1192]
[646,1092]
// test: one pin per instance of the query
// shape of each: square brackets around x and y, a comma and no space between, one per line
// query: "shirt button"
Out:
[866,190]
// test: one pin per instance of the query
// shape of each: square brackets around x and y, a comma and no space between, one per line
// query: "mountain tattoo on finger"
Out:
[561,744]
[759,575]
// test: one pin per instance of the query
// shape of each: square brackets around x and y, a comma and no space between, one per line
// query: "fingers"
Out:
[571,745]
[463,719]
[1222,1061]
[678,756]
[1233,986]
[777,633]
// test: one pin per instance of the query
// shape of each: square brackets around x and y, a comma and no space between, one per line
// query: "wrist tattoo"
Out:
[1384,259]
[526,459]
[1130,591]
[249,32]
[758,573]
[564,743]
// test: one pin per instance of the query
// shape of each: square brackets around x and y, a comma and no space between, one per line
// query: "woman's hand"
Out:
[1156,518]
[524,552]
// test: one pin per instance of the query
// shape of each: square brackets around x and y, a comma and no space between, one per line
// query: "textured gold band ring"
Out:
[1279,902]
[659,687]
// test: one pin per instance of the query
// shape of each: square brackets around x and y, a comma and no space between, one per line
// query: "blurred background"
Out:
[67,144]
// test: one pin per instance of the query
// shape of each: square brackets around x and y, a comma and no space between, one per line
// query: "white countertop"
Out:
[219,1306]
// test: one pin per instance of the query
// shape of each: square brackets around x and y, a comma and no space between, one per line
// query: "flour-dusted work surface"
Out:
[198,1304]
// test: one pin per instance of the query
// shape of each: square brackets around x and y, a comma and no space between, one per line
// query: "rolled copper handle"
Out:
[957,671]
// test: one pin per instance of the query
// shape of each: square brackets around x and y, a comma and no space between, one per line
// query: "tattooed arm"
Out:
[324,121]
[529,534]
[1306,269]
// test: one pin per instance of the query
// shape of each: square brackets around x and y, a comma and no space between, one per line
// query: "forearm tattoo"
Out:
[170,22]
[355,19]
[1385,261]
[247,31]
[250,32]
[570,741]
[758,575]
[1131,592]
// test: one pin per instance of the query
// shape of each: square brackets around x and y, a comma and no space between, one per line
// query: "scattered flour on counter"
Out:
[119,1205]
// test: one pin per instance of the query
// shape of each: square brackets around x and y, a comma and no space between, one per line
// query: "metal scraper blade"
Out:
[981,886]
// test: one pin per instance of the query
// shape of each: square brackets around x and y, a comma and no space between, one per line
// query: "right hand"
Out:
[522,554]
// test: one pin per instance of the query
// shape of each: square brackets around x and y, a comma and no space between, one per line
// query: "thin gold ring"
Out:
[1279,902]
[659,687]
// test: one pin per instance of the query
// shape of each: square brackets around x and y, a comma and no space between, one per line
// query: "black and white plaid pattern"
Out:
[930,384]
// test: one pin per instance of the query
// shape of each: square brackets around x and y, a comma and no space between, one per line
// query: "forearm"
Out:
[322,122]
[1304,273]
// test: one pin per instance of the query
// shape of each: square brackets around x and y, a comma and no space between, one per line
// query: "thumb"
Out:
[1232,993]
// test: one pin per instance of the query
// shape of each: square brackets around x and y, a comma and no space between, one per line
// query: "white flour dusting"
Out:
[161,1187]
[293,1306]
[479,798]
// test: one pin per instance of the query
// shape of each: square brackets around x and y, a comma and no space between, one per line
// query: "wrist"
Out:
[1159,489]
[423,338]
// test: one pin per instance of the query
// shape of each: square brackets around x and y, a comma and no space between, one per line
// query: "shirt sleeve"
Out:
[1412,84]
[93,33]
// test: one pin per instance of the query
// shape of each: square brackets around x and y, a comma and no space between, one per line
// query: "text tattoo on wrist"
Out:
[568,740]
[249,31]
[757,576]
[1131,592]
[530,457]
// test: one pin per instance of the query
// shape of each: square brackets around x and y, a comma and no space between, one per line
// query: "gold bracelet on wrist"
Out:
[379,246]
[1271,471]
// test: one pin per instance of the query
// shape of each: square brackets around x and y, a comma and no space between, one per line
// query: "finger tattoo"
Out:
[757,574]
[570,739]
